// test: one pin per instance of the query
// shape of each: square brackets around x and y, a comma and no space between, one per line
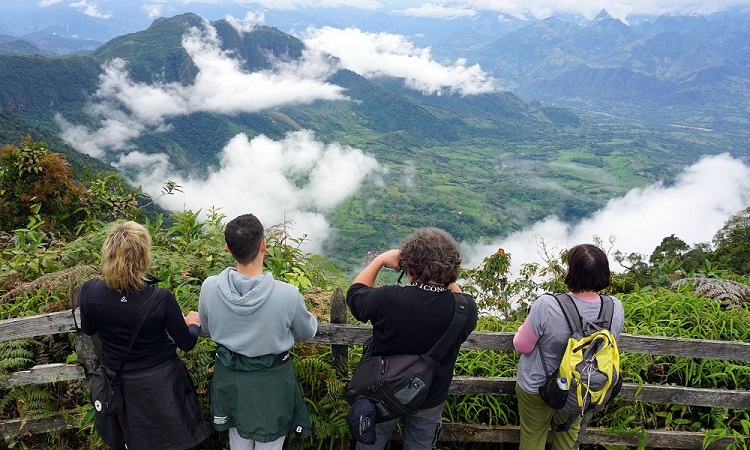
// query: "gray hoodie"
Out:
[253,316]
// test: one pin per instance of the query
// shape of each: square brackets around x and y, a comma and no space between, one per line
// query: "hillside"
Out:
[476,165]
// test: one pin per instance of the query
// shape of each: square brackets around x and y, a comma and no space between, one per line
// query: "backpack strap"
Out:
[460,315]
[142,313]
[570,310]
[575,321]
[606,312]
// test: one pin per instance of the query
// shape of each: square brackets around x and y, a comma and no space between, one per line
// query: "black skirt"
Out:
[160,411]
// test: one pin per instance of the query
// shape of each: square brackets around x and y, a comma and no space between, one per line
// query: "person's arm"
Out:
[367,276]
[359,295]
[203,309]
[304,324]
[525,339]
[183,330]
[86,326]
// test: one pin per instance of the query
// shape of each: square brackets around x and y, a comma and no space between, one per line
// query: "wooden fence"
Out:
[340,336]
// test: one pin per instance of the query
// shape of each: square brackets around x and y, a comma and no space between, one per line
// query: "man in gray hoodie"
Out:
[254,319]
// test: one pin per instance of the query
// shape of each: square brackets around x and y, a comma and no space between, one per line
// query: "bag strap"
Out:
[139,323]
[460,315]
[574,319]
[606,312]
[570,311]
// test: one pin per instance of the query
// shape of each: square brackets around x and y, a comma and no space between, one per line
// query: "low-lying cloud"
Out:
[127,108]
[391,55]
[701,199]
[298,179]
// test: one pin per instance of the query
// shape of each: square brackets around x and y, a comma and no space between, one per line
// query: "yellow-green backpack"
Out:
[589,373]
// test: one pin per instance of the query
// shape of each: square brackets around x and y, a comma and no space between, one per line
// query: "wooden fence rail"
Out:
[340,336]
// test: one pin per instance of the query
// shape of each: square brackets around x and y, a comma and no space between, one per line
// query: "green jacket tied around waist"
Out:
[259,396]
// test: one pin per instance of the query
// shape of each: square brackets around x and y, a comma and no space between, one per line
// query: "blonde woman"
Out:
[160,408]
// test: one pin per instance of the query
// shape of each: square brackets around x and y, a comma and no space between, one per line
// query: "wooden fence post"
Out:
[88,348]
[339,312]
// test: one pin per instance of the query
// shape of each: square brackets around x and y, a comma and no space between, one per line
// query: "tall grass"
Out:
[185,252]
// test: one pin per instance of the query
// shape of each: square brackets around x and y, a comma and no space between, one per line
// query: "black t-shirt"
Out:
[409,320]
[112,315]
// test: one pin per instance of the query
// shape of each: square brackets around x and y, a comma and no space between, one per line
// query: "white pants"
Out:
[237,442]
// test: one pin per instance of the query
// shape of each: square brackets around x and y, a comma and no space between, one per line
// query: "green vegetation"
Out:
[476,165]
[39,258]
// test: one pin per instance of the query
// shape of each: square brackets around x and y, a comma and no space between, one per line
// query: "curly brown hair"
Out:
[430,255]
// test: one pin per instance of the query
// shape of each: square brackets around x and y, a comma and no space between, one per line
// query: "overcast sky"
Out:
[107,9]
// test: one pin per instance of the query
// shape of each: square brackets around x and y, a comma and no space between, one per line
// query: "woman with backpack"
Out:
[542,341]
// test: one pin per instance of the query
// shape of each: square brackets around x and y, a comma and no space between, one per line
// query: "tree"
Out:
[673,257]
[34,181]
[671,247]
[732,243]
[30,174]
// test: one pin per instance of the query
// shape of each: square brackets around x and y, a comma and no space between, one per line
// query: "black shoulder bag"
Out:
[387,387]
[104,383]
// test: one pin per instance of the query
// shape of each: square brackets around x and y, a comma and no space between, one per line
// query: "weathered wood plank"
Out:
[46,373]
[675,395]
[64,420]
[342,334]
[336,334]
[691,348]
[40,325]
[453,432]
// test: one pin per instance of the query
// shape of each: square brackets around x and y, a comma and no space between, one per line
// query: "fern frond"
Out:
[729,293]
[15,356]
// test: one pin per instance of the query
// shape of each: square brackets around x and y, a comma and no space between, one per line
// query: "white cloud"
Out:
[114,133]
[437,11]
[247,24]
[46,3]
[385,54]
[153,10]
[127,108]
[91,9]
[542,9]
[298,179]
[296,4]
[702,198]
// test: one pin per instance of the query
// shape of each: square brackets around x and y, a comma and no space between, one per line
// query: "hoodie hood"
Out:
[243,294]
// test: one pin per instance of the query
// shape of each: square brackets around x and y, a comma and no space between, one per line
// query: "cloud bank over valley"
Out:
[693,208]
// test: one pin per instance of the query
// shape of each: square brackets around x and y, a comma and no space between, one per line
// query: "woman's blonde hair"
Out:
[126,254]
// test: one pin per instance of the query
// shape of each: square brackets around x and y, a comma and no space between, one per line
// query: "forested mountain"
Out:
[41,43]
[476,165]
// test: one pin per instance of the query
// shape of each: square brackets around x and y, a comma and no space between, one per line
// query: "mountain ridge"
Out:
[476,165]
